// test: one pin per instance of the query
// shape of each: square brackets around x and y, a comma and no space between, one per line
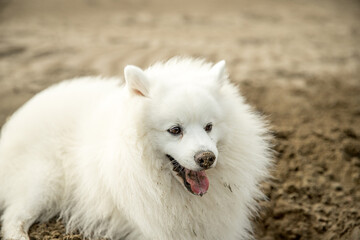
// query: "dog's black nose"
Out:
[205,159]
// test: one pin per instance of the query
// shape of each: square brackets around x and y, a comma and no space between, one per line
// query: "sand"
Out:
[297,62]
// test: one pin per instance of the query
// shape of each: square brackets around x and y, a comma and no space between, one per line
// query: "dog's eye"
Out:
[208,127]
[175,130]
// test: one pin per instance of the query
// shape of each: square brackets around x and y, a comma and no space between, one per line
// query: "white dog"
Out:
[172,152]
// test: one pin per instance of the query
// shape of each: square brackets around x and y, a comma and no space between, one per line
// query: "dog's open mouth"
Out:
[195,182]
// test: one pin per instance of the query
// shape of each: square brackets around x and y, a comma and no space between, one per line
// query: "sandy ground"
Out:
[297,62]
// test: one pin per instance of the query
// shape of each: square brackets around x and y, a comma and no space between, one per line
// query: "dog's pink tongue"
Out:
[198,181]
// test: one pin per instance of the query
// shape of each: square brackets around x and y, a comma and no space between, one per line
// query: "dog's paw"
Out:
[15,234]
[19,238]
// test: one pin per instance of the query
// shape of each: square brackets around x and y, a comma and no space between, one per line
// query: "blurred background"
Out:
[297,62]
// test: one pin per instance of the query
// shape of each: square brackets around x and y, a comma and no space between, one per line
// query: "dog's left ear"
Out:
[136,81]
[218,70]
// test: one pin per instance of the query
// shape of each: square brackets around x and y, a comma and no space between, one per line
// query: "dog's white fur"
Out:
[94,150]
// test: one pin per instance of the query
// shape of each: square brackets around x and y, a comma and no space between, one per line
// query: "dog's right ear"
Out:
[136,81]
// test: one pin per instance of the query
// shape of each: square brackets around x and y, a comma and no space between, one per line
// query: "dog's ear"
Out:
[136,81]
[218,71]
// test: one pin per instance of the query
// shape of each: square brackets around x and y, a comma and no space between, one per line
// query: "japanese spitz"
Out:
[171,152]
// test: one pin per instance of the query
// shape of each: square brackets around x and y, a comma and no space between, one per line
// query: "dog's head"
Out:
[184,118]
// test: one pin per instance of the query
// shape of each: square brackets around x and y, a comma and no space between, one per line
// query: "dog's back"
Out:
[32,147]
